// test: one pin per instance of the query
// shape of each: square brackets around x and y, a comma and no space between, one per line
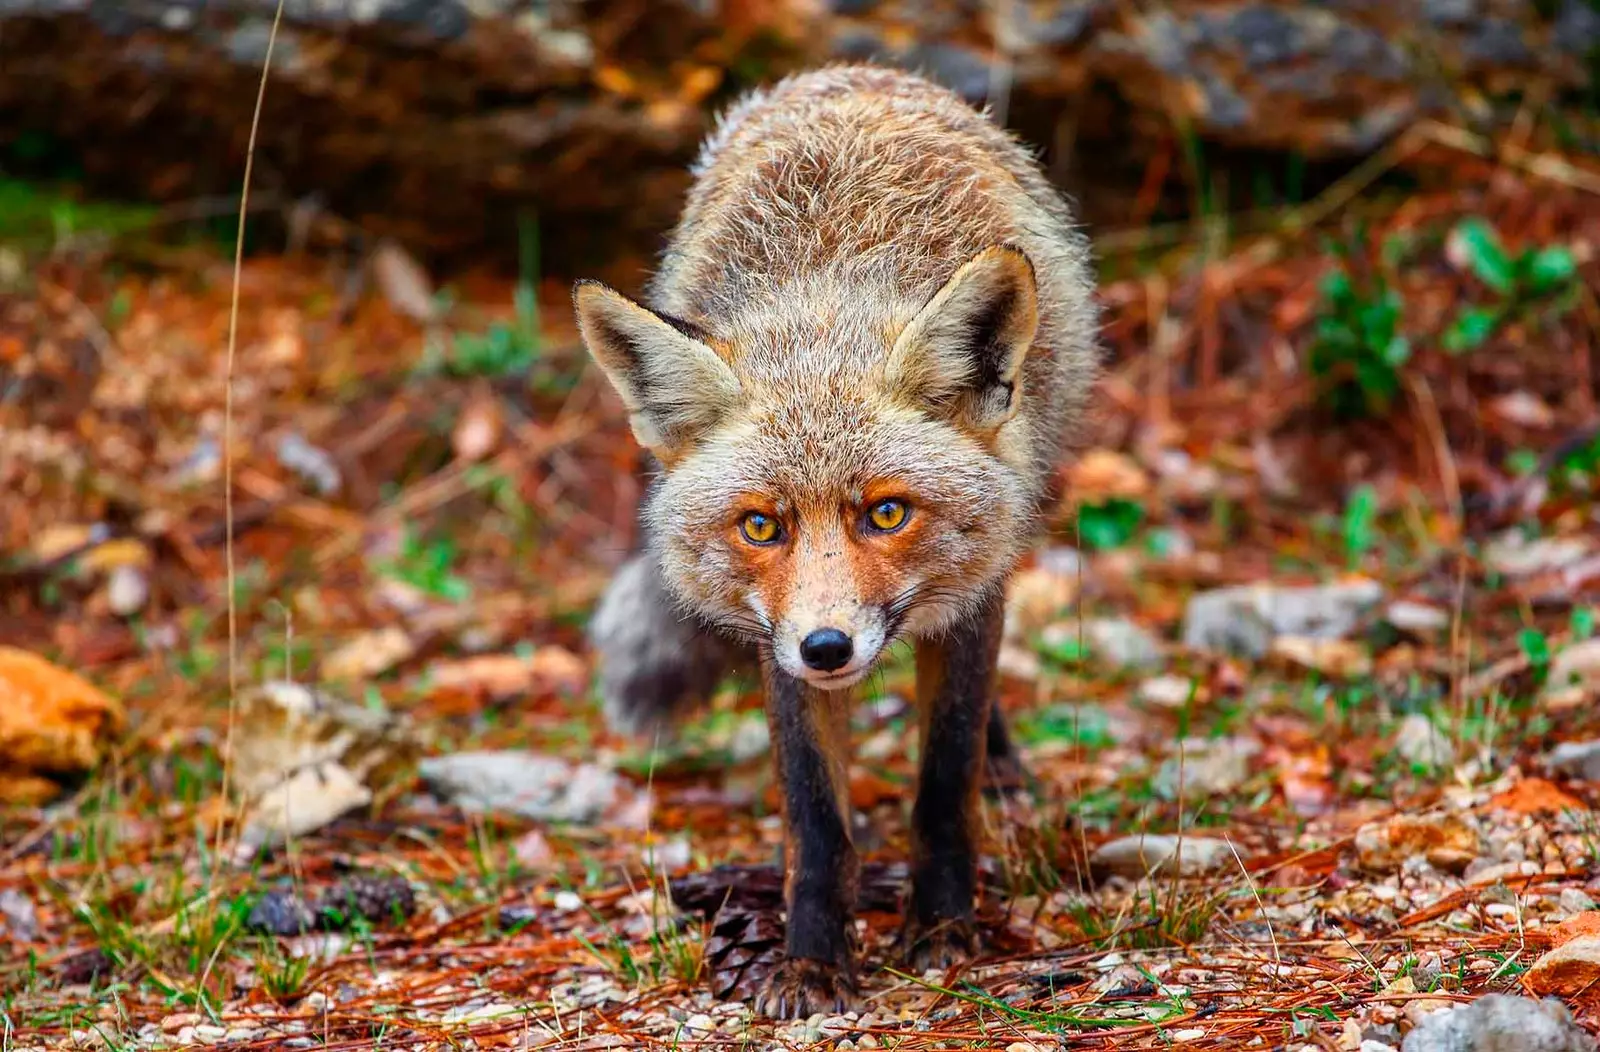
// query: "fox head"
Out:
[833,478]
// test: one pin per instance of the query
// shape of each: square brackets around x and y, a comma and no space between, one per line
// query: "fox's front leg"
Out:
[956,677]
[811,743]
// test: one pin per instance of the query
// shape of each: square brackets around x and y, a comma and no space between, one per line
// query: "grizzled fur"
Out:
[825,214]
[873,295]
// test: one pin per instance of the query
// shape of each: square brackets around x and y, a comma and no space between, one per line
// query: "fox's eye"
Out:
[758,528]
[886,516]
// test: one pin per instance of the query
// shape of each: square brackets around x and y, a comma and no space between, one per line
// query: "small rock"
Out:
[1105,474]
[17,915]
[1245,620]
[1576,666]
[1571,971]
[1418,741]
[1138,856]
[1209,767]
[1418,619]
[127,590]
[1523,408]
[541,788]
[1036,597]
[404,283]
[1169,692]
[477,432]
[1446,841]
[1574,901]
[1515,556]
[699,1025]
[368,654]
[1339,658]
[1499,1023]
[1121,643]
[533,851]
[1578,759]
[312,463]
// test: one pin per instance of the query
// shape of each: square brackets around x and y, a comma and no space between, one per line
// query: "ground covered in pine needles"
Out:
[1305,676]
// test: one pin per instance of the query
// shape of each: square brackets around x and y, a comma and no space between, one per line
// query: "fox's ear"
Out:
[962,354]
[673,384]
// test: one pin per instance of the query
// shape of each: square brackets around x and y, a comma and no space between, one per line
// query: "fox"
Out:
[867,345]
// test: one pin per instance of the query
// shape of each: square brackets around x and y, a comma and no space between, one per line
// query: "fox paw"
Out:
[798,989]
[938,946]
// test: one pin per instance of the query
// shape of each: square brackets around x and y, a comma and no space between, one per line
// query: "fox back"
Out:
[862,354]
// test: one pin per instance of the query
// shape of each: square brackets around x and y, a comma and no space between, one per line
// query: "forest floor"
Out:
[1369,779]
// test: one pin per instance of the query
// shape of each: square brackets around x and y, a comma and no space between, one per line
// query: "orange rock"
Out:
[1576,926]
[1570,971]
[1535,795]
[52,722]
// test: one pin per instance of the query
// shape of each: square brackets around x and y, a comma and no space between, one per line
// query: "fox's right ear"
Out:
[673,384]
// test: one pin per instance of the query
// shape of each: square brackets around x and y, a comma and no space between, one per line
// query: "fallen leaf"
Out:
[550,669]
[1340,658]
[368,655]
[1445,840]
[1536,796]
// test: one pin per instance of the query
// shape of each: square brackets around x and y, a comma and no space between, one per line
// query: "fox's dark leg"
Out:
[655,663]
[1004,773]
[811,745]
[955,692]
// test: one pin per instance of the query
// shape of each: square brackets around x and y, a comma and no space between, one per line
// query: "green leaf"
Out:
[1550,268]
[1360,514]
[1471,329]
[1583,621]
[1477,242]
[1109,525]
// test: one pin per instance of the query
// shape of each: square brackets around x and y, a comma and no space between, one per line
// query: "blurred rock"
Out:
[1578,759]
[55,727]
[528,784]
[1208,767]
[1418,619]
[1418,741]
[1245,620]
[1499,1023]
[1138,856]
[1121,643]
[1446,841]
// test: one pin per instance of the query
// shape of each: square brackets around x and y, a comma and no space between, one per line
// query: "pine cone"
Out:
[743,949]
[376,900]
[281,912]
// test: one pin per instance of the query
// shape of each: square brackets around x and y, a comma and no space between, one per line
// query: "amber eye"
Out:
[886,516]
[758,528]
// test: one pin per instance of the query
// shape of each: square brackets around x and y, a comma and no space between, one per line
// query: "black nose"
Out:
[826,649]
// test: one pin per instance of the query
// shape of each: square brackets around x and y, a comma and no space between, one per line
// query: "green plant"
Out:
[1518,282]
[1109,524]
[1360,517]
[1358,348]
[427,567]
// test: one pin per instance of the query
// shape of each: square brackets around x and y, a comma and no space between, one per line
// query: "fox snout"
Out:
[831,650]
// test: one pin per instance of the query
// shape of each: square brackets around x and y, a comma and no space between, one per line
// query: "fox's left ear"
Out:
[963,352]
[674,385]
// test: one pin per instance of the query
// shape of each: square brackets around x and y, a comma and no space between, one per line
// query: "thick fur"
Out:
[873,295]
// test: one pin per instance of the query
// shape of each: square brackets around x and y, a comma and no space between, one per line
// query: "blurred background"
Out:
[1347,254]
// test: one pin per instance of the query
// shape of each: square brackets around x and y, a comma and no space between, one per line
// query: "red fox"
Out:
[863,351]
